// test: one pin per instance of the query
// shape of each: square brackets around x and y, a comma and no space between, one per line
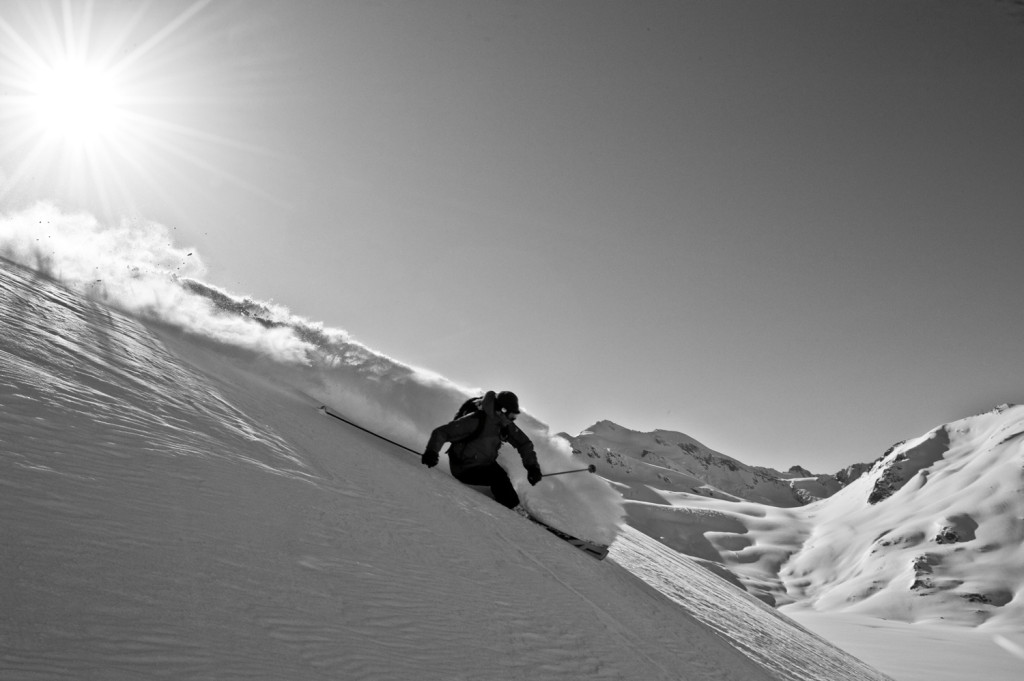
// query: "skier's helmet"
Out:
[507,402]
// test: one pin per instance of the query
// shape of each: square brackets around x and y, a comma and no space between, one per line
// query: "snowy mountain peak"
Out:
[673,461]
[605,427]
[660,440]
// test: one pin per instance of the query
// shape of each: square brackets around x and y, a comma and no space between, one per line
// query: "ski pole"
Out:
[589,469]
[328,412]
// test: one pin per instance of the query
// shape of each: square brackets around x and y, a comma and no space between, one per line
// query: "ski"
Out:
[598,551]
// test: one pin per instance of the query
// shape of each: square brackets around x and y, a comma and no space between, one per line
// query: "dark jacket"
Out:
[469,452]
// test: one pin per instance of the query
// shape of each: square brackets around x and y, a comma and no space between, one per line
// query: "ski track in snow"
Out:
[788,651]
[172,512]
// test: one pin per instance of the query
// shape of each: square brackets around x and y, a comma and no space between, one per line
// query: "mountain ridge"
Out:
[713,472]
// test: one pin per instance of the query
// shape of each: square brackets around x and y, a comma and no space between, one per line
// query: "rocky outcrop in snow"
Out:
[905,460]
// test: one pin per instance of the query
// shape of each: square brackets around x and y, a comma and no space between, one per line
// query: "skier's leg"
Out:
[496,478]
[502,489]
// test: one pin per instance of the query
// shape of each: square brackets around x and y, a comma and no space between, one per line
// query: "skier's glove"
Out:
[429,459]
[533,475]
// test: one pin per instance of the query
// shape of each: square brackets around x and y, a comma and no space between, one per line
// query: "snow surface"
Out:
[919,652]
[176,507]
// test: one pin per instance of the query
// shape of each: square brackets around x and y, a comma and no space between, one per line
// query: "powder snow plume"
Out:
[136,267]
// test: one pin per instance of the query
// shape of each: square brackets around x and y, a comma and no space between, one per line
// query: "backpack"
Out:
[472,406]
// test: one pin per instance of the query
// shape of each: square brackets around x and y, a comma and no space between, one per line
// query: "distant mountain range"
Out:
[931,530]
[667,458]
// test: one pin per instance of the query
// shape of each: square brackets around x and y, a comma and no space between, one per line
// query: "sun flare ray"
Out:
[128,60]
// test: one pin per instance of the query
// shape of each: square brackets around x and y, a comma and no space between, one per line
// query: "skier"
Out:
[476,438]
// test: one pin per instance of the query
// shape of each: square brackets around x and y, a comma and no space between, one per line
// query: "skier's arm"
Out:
[518,439]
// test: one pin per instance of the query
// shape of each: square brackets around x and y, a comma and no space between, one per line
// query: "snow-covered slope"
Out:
[934,531]
[138,269]
[175,507]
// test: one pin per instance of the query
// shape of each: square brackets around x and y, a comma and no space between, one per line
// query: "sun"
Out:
[103,106]
[70,124]
[76,101]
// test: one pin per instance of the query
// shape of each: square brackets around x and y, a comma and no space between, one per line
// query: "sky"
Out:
[790,230]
